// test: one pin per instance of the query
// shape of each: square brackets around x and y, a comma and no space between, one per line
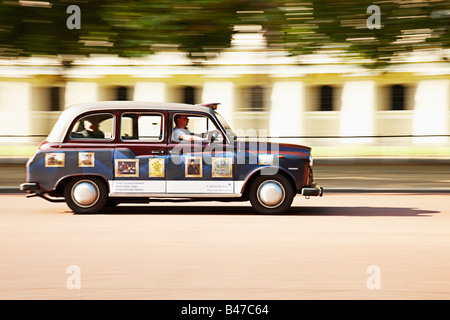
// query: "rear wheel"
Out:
[86,194]
[271,194]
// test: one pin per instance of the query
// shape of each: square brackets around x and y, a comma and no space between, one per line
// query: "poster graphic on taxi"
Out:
[127,168]
[86,159]
[156,167]
[54,159]
[193,167]
[222,167]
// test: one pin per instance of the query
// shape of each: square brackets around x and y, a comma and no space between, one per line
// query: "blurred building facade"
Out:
[260,91]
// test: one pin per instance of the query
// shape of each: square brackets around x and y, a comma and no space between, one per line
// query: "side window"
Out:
[190,127]
[142,127]
[94,126]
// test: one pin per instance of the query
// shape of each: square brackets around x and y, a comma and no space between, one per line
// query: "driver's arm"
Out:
[183,135]
[187,137]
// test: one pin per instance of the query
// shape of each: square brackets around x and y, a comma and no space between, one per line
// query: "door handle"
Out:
[176,152]
[157,151]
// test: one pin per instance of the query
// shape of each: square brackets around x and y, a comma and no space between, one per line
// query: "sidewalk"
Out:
[336,175]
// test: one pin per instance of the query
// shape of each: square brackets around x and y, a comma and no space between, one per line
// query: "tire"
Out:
[86,194]
[271,194]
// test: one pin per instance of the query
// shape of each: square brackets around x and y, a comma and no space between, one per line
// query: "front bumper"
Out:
[312,191]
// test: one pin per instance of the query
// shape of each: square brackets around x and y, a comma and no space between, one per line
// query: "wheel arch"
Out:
[61,183]
[257,173]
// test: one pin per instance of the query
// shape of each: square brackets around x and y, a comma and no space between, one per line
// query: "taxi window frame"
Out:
[195,113]
[163,129]
[69,138]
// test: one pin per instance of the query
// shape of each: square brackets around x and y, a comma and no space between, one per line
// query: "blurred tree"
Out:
[198,27]
[204,27]
[406,25]
[39,28]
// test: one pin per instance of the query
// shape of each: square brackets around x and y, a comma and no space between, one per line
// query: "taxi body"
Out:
[104,153]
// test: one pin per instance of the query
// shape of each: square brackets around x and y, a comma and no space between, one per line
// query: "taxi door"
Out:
[140,154]
[199,168]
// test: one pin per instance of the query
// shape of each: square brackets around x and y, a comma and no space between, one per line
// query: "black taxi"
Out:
[105,153]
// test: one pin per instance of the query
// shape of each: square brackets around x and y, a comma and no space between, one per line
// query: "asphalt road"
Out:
[340,246]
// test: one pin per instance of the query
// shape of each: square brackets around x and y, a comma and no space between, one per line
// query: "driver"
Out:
[180,133]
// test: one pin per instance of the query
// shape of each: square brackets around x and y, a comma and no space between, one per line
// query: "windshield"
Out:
[225,125]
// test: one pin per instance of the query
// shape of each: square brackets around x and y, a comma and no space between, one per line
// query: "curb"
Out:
[386,190]
[13,161]
[9,190]
[381,161]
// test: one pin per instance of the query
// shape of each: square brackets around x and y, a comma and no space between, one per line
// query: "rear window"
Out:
[94,126]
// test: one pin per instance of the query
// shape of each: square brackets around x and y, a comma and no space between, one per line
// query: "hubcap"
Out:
[85,193]
[270,194]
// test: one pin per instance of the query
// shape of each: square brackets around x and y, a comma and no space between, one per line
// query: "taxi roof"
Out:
[70,113]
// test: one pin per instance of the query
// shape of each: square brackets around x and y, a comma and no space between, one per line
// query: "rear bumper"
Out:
[33,191]
[312,191]
[29,186]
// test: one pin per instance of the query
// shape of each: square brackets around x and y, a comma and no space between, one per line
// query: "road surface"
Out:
[340,246]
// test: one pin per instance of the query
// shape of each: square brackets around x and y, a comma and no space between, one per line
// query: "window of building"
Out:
[55,98]
[122,94]
[257,98]
[189,95]
[252,99]
[326,98]
[398,97]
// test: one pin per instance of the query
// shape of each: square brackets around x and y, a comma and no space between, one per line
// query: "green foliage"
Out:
[406,25]
[201,27]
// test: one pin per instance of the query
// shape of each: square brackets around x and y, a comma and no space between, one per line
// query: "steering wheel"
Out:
[215,135]
[207,136]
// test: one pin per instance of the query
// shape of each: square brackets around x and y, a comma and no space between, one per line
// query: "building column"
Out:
[15,110]
[431,111]
[150,91]
[221,92]
[358,111]
[79,92]
[287,106]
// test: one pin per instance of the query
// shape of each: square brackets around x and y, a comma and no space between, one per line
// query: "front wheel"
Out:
[271,194]
[86,195]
